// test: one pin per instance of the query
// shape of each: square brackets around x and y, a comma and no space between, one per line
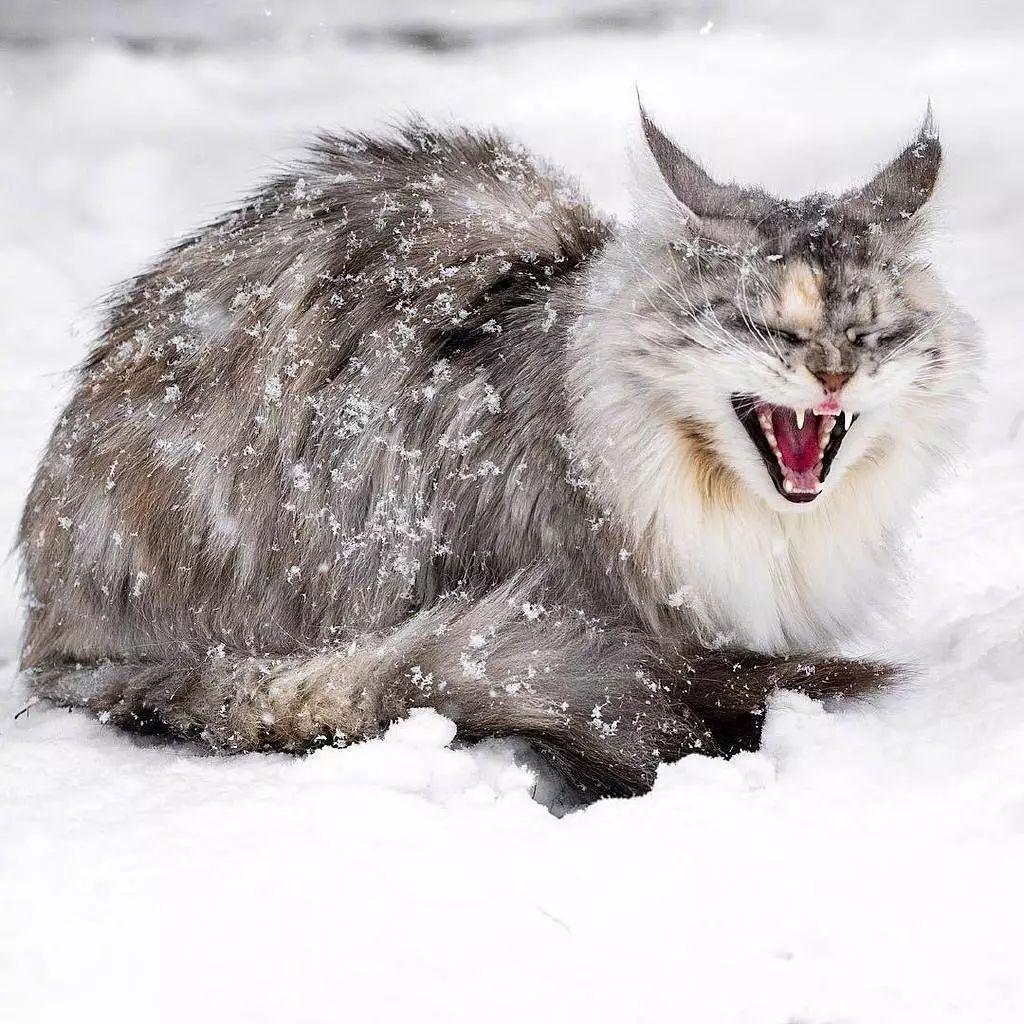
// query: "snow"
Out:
[864,866]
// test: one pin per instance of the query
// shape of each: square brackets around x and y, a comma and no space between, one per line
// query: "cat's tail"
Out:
[596,700]
[729,689]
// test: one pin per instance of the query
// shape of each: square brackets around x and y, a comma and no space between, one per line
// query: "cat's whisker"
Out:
[717,328]
[752,324]
[717,333]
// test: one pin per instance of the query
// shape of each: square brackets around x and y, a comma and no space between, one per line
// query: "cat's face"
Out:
[801,363]
[797,341]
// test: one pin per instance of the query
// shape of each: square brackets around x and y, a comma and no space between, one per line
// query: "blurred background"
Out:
[443,25]
[124,124]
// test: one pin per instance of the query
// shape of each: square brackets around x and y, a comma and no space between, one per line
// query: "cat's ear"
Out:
[713,208]
[689,182]
[906,183]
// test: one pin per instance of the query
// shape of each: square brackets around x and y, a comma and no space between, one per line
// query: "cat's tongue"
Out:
[799,448]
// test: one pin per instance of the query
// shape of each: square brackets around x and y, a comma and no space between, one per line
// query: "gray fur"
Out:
[322,467]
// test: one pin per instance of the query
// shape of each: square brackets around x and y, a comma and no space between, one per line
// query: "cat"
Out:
[414,426]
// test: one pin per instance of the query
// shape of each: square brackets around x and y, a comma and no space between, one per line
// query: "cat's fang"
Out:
[797,446]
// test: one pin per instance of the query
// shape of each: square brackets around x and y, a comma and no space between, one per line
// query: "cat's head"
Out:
[793,341]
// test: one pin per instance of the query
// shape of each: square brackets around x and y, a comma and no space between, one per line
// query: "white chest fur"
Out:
[754,579]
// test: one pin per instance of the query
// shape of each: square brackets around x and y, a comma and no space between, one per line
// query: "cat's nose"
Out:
[832,382]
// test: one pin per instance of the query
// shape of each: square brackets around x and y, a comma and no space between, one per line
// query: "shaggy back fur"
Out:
[415,426]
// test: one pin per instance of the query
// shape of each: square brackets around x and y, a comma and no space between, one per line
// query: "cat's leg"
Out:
[496,667]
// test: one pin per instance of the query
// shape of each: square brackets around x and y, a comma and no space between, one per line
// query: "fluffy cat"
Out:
[414,426]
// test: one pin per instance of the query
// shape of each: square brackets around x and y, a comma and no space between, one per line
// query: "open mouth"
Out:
[798,446]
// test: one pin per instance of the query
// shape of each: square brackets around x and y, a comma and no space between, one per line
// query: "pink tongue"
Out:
[798,446]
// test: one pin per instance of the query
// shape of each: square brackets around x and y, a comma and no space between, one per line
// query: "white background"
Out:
[865,866]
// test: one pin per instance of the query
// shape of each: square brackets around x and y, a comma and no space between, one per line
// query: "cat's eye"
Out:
[867,339]
[777,334]
[762,330]
[788,337]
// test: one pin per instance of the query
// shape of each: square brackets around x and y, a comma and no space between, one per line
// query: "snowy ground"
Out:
[863,867]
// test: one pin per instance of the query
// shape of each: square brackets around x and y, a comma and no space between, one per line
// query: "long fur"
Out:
[415,426]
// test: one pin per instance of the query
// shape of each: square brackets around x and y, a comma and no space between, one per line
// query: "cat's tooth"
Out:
[846,419]
[787,486]
[800,413]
